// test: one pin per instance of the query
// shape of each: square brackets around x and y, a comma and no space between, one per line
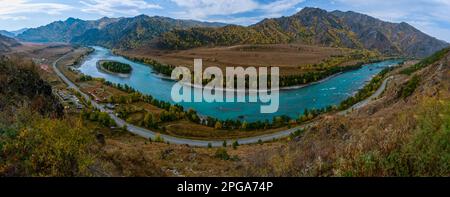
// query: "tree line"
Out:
[177,112]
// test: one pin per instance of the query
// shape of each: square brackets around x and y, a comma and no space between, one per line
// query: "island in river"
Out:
[114,67]
[292,102]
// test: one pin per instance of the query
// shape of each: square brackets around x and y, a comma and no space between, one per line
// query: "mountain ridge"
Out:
[63,31]
[315,26]
[91,31]
[6,33]
[6,43]
[404,38]
[136,31]
[311,26]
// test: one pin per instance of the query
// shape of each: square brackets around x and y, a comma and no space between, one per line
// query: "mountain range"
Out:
[135,32]
[6,43]
[12,34]
[63,31]
[109,32]
[315,27]
[310,26]
[7,33]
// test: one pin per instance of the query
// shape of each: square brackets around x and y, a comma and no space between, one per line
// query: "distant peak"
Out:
[405,24]
[71,20]
[142,16]
[312,10]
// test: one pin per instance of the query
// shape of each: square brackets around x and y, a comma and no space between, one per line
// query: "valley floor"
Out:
[293,59]
[402,133]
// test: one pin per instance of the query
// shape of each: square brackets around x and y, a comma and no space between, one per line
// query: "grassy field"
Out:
[291,58]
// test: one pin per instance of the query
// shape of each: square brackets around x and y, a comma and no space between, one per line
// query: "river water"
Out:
[292,102]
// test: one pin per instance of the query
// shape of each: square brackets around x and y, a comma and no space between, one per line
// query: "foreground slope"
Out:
[405,132]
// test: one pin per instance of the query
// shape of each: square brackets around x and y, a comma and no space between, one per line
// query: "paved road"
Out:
[146,133]
[368,100]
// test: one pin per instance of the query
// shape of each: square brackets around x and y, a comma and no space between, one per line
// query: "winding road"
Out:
[368,100]
[146,133]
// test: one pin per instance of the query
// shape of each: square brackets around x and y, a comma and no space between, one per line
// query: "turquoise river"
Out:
[293,102]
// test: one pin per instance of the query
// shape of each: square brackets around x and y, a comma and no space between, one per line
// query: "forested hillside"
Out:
[134,32]
[314,26]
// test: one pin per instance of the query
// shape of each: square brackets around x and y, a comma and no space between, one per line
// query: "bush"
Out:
[235,144]
[410,87]
[424,151]
[159,139]
[222,153]
[37,146]
[428,151]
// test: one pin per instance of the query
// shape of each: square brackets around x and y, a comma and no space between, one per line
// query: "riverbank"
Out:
[301,77]
[293,103]
[282,79]
[180,140]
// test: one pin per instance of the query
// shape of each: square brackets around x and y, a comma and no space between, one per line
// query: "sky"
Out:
[429,16]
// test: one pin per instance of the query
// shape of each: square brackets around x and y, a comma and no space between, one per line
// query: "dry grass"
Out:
[290,58]
[184,128]
[392,137]
[49,52]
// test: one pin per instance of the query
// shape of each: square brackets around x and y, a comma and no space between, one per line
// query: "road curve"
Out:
[368,100]
[146,133]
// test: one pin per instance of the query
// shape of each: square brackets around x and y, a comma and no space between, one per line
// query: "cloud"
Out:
[117,7]
[202,9]
[16,9]
[281,5]
[221,10]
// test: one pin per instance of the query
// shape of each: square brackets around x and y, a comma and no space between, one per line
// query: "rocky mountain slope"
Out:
[315,27]
[390,38]
[6,43]
[6,33]
[12,34]
[134,32]
[109,32]
[63,31]
[22,87]
[310,26]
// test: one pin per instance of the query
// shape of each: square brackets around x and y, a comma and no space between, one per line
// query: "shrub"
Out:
[235,144]
[37,146]
[159,139]
[410,87]
[222,153]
